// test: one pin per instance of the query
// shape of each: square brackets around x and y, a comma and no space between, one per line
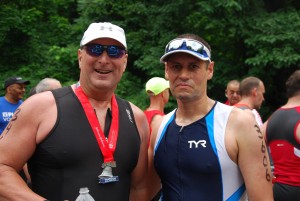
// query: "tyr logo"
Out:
[193,142]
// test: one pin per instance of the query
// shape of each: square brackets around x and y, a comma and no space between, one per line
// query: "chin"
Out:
[183,97]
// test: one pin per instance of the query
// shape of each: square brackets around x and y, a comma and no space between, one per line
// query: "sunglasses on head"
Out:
[188,44]
[96,50]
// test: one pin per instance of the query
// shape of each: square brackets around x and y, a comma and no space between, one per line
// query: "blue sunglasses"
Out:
[113,51]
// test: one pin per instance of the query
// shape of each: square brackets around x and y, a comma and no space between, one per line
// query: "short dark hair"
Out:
[247,84]
[292,84]
[234,82]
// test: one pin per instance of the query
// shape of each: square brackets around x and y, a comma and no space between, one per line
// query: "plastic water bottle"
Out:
[84,195]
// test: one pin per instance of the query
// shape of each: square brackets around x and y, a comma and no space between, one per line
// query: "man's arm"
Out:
[153,180]
[247,148]
[138,184]
[29,125]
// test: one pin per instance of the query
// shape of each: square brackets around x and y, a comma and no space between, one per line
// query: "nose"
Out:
[184,73]
[23,88]
[235,93]
[103,58]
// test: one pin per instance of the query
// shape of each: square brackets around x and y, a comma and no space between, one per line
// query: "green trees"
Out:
[273,51]
[30,36]
[248,37]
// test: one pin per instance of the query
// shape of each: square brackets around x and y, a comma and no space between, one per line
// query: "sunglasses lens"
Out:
[189,44]
[115,51]
[196,47]
[96,50]
[174,45]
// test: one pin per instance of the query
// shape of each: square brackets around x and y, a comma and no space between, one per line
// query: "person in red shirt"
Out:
[232,92]
[252,90]
[157,89]
[282,132]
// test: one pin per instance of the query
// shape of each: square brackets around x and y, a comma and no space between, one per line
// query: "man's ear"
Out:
[166,71]
[210,70]
[254,92]
[8,89]
[79,56]
[125,62]
[162,95]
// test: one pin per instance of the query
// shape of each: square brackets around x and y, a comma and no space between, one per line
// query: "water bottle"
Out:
[84,195]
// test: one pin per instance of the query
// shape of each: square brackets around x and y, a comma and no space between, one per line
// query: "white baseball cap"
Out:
[103,30]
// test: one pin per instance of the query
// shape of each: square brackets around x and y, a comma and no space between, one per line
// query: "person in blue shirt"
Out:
[14,93]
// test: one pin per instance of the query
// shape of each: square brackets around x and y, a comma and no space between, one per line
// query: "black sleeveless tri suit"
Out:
[70,158]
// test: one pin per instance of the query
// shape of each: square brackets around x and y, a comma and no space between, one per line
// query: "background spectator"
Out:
[15,88]
[232,92]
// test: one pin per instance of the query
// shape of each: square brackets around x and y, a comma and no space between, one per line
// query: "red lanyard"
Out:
[107,147]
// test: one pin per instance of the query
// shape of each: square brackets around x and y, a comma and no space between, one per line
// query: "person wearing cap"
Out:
[157,89]
[81,135]
[202,149]
[15,88]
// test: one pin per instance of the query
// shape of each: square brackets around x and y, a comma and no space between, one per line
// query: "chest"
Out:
[189,148]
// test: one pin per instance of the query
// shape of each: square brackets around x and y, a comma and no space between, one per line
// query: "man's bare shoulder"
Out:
[37,105]
[155,127]
[34,118]
[239,117]
[139,115]
[136,110]
[156,121]
[243,124]
[41,99]
[141,121]
[240,128]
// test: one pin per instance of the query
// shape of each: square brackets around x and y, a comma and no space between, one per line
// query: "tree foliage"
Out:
[248,37]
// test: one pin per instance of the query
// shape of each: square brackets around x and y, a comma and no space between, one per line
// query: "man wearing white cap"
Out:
[204,149]
[157,89]
[80,135]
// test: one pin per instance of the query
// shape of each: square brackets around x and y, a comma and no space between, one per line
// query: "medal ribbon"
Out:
[107,147]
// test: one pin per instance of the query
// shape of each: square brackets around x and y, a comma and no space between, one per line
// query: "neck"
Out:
[96,94]
[156,105]
[190,112]
[247,102]
[293,102]
[10,99]
[100,104]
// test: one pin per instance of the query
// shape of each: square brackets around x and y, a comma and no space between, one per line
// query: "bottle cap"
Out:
[84,190]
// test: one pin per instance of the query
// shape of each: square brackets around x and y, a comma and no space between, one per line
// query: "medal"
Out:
[107,176]
[107,146]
